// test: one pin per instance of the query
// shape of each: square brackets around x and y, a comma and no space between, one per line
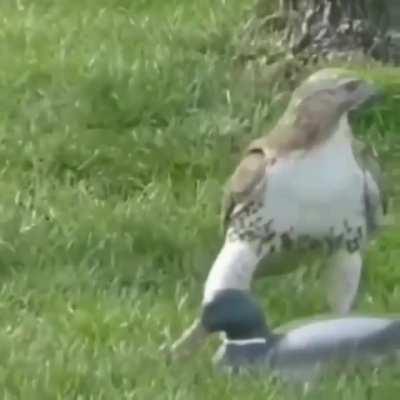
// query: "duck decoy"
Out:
[302,353]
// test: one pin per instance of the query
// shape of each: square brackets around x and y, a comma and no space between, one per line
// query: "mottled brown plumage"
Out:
[309,118]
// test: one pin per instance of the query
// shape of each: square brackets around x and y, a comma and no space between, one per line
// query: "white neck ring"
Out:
[244,342]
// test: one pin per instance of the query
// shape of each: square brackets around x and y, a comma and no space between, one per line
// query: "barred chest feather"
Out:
[310,198]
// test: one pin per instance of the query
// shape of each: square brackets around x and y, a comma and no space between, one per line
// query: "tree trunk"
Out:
[339,28]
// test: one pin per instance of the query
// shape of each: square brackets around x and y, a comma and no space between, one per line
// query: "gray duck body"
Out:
[305,352]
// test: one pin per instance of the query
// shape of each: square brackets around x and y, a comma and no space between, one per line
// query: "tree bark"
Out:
[339,28]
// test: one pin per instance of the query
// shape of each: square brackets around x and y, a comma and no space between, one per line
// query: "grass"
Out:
[119,122]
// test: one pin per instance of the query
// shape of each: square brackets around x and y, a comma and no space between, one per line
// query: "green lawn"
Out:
[119,122]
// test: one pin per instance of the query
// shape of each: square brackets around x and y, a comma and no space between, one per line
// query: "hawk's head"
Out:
[319,104]
[341,89]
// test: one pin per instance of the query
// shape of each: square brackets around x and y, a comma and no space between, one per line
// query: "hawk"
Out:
[308,186]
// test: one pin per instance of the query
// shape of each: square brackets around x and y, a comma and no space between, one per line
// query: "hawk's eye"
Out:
[352,86]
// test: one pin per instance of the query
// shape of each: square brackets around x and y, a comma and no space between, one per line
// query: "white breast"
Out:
[311,191]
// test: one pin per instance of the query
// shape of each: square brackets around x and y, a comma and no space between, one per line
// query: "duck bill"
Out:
[191,340]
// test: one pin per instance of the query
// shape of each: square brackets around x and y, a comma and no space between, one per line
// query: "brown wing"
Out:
[375,196]
[368,159]
[243,182]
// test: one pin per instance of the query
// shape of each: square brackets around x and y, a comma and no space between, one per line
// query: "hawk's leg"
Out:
[232,269]
[342,279]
